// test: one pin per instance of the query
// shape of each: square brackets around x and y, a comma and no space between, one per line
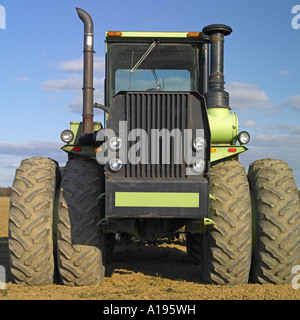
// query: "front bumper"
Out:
[148,198]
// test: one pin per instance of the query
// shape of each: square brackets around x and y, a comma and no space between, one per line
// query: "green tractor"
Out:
[164,161]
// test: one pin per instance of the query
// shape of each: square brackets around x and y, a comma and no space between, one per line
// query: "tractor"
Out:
[164,161]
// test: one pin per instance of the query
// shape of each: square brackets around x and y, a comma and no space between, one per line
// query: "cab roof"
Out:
[139,35]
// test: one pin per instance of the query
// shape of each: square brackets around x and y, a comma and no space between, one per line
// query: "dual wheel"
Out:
[256,235]
[40,240]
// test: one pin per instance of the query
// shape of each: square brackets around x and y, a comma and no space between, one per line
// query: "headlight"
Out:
[115,143]
[243,137]
[199,165]
[115,164]
[199,143]
[67,136]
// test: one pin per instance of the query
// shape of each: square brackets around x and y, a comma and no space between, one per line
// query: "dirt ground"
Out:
[141,272]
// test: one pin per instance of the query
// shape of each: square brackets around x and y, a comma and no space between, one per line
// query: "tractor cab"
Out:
[153,61]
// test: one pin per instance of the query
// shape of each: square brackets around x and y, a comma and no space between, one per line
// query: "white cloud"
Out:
[99,65]
[295,102]
[77,102]
[267,145]
[267,139]
[31,149]
[21,79]
[288,129]
[6,180]
[13,165]
[11,155]
[71,84]
[74,82]
[53,98]
[245,95]
[285,72]
[76,65]
[251,124]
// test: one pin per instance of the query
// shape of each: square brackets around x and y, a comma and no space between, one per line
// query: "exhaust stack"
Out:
[216,96]
[88,89]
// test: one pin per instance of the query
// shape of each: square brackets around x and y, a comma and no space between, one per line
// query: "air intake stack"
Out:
[216,96]
[223,125]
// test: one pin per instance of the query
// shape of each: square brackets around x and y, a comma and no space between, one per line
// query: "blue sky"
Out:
[41,79]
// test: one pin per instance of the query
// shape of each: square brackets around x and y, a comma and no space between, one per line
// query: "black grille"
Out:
[157,110]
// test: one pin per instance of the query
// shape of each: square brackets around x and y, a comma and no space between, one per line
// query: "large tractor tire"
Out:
[30,221]
[226,245]
[80,243]
[276,221]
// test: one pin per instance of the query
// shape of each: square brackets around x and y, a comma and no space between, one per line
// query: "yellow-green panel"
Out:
[76,128]
[223,125]
[219,152]
[157,199]
[84,151]
[149,34]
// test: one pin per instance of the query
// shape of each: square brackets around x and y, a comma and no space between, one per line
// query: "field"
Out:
[141,272]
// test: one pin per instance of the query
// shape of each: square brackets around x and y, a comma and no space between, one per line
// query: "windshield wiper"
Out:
[158,86]
[144,56]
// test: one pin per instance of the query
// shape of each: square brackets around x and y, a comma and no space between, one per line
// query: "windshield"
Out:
[165,67]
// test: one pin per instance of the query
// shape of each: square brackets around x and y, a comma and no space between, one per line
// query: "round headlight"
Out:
[199,143]
[243,137]
[115,143]
[67,136]
[199,165]
[115,164]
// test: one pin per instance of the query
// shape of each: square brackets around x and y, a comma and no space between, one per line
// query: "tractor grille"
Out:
[157,110]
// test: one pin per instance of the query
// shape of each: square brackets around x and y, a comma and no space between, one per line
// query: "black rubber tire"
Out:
[80,242]
[30,221]
[277,221]
[226,246]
